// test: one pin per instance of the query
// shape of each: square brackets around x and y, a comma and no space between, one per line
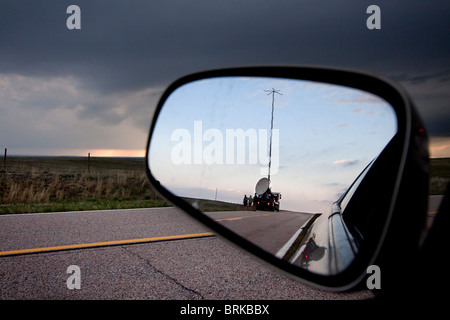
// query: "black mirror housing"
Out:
[391,200]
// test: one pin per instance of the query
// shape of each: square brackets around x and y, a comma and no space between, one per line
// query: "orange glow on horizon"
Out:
[117,153]
[56,152]
[439,147]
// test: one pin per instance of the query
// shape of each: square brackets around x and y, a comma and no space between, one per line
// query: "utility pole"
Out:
[272,92]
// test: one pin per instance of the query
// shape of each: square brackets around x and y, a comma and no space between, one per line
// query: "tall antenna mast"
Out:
[271,92]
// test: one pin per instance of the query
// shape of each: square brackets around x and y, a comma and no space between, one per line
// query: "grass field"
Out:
[439,175]
[213,205]
[53,184]
[49,184]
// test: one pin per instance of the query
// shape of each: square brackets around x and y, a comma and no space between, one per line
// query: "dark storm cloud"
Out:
[127,47]
[127,44]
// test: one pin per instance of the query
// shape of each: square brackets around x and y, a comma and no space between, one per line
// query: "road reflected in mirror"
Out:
[269,157]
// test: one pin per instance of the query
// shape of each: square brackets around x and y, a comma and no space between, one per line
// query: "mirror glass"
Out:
[268,156]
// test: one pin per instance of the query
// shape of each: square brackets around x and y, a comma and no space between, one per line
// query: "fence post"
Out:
[4,158]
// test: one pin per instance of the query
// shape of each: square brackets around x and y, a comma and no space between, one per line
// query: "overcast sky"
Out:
[92,90]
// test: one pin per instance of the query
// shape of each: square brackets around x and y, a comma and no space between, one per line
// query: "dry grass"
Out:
[44,187]
[50,184]
[439,175]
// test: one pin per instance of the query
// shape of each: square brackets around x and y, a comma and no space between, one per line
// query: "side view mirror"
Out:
[312,170]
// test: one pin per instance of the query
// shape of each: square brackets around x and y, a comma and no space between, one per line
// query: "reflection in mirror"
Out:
[269,157]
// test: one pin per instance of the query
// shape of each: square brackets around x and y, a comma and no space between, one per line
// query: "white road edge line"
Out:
[280,254]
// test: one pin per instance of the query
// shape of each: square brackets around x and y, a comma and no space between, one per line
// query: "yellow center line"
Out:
[124,242]
[107,243]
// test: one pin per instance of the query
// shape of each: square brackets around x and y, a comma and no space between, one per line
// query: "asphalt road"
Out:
[433,207]
[169,256]
[269,230]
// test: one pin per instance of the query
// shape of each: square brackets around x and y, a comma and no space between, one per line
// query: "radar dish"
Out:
[262,186]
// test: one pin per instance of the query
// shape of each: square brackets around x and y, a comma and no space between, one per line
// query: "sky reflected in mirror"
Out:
[212,139]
